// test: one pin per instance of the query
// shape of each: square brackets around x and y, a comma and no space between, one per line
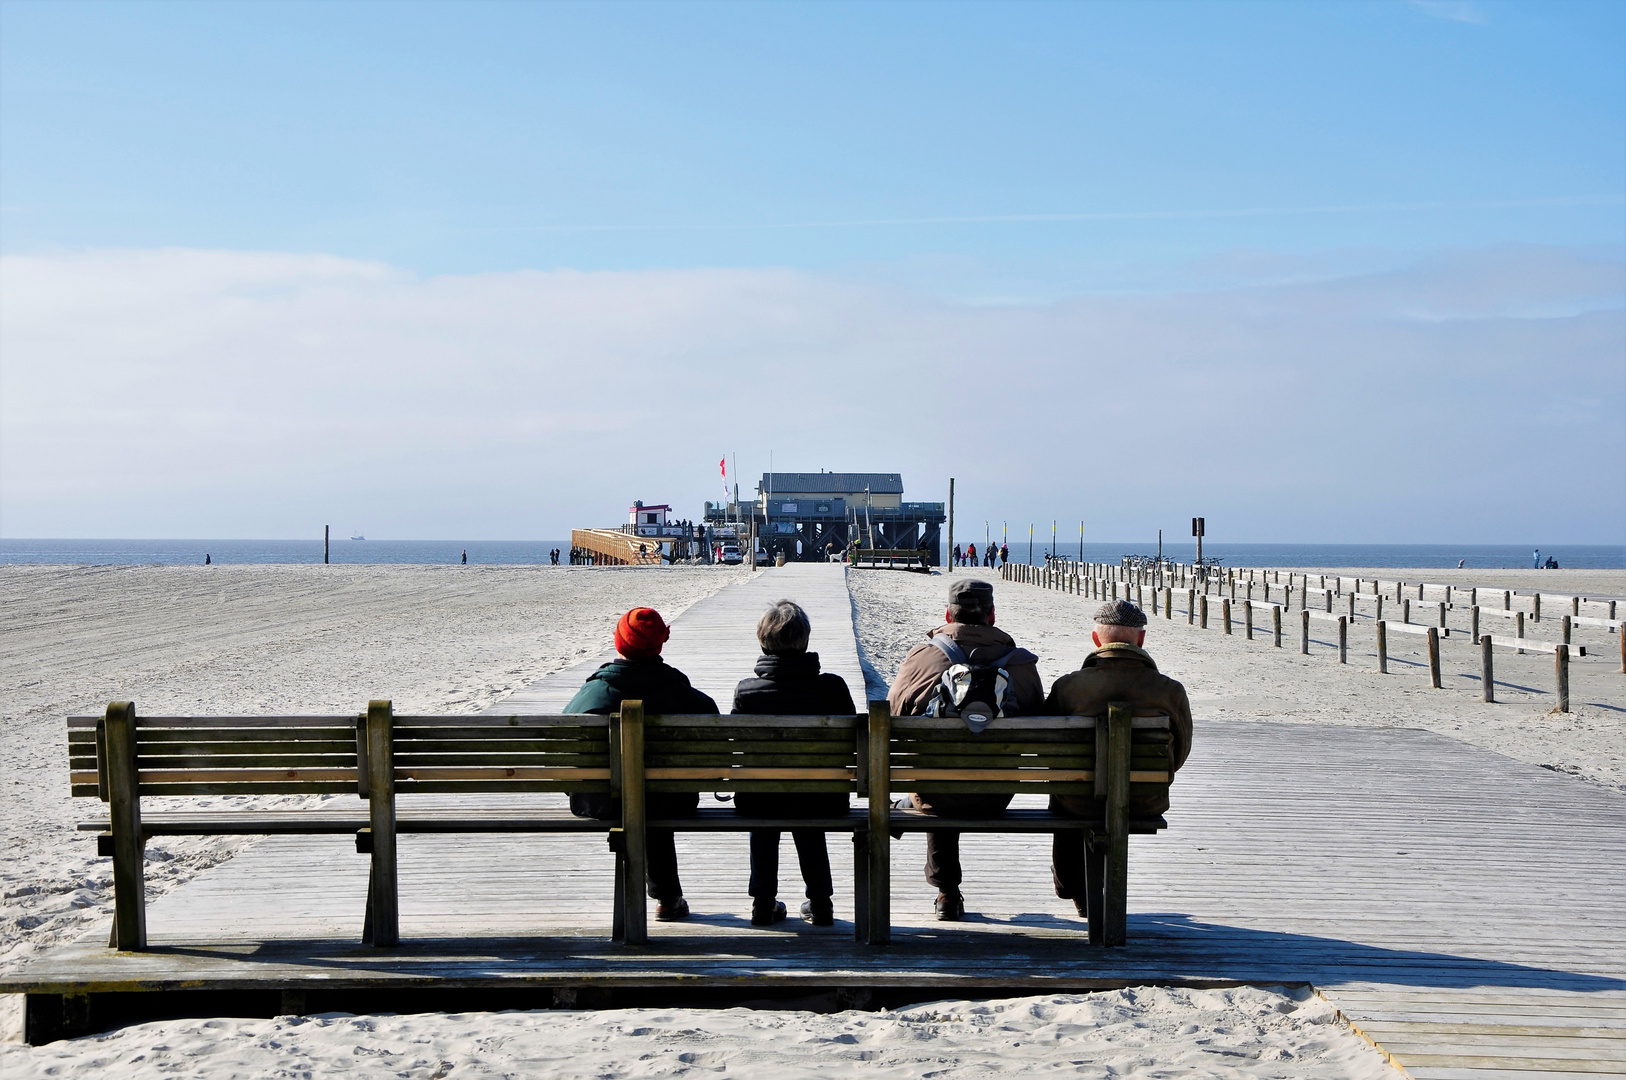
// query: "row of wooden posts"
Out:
[1105,581]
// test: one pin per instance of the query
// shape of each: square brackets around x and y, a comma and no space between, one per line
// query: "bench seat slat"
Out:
[726,773]
[415,760]
[708,723]
[501,746]
[190,776]
[513,772]
[267,787]
[185,722]
[484,723]
[505,787]
[210,762]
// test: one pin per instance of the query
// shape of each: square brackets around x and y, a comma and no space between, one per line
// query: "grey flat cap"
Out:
[974,591]
[1120,613]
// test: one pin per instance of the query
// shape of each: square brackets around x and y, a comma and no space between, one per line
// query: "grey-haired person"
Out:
[1118,669]
[788,682]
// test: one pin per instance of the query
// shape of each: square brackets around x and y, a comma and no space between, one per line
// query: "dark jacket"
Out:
[921,670]
[663,689]
[1119,671]
[660,686]
[792,685]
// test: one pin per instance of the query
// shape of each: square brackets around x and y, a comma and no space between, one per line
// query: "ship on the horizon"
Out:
[358,538]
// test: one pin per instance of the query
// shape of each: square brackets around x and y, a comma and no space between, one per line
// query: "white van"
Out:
[731,554]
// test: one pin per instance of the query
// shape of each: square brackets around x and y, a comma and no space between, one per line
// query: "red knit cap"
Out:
[640,634]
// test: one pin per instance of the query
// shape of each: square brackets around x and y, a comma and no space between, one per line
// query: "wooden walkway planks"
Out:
[1463,910]
[714,640]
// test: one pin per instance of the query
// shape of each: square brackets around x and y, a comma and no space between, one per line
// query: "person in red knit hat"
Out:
[639,674]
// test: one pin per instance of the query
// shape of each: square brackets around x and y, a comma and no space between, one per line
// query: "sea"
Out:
[535,552]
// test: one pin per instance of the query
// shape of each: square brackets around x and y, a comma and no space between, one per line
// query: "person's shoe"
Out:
[767,914]
[671,910]
[1083,909]
[950,906]
[819,912]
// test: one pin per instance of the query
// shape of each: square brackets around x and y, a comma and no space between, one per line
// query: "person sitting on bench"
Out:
[1119,669]
[968,644]
[639,674]
[788,683]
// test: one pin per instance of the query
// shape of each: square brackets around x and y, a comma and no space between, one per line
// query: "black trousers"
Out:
[811,852]
[660,845]
[943,848]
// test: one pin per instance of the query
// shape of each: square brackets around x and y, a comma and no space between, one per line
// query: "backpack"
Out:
[973,692]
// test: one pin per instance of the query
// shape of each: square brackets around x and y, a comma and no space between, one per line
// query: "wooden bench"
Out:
[911,559]
[1031,755]
[378,755]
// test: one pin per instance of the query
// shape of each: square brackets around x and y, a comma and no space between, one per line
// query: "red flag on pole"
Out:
[723,465]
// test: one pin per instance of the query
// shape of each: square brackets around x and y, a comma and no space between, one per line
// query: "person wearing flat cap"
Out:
[1119,669]
[639,674]
[968,624]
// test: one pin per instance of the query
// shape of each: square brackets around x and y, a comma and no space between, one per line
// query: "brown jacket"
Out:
[924,666]
[1119,671]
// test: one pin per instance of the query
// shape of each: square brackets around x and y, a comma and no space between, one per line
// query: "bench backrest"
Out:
[502,754]
[243,755]
[219,755]
[751,753]
[319,755]
[1044,755]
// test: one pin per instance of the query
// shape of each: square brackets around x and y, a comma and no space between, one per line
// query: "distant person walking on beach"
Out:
[639,674]
[465,556]
[1118,670]
[205,558]
[967,636]
[971,555]
[789,683]
[1004,554]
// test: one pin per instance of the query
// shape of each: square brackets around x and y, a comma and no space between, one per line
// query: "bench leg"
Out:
[860,885]
[618,917]
[367,916]
[1115,891]
[1095,879]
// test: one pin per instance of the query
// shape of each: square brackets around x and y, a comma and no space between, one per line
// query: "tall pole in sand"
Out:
[948,552]
[325,530]
[1030,543]
[1081,543]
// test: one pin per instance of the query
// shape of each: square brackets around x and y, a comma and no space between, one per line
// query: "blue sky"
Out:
[1008,160]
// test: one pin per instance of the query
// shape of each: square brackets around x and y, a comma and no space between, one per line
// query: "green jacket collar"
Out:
[1120,650]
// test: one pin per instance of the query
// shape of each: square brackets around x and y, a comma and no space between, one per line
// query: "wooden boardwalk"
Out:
[1463,910]
[714,640]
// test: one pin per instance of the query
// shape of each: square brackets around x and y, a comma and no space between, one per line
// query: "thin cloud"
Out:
[233,393]
[1463,11]
[1100,215]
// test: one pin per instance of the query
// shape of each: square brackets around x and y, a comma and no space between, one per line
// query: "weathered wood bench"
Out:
[378,755]
[1111,758]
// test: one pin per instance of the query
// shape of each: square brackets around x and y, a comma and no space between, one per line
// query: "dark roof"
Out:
[833,483]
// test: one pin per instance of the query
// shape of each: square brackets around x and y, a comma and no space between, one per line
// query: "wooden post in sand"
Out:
[1487,680]
[1405,611]
[1276,625]
[1247,618]
[1474,612]
[1561,664]
[1343,640]
[1518,627]
[1304,627]
[1191,608]
[1203,612]
[1383,646]
[1434,657]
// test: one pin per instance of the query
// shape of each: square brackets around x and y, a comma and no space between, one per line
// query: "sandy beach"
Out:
[240,639]
[243,639]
